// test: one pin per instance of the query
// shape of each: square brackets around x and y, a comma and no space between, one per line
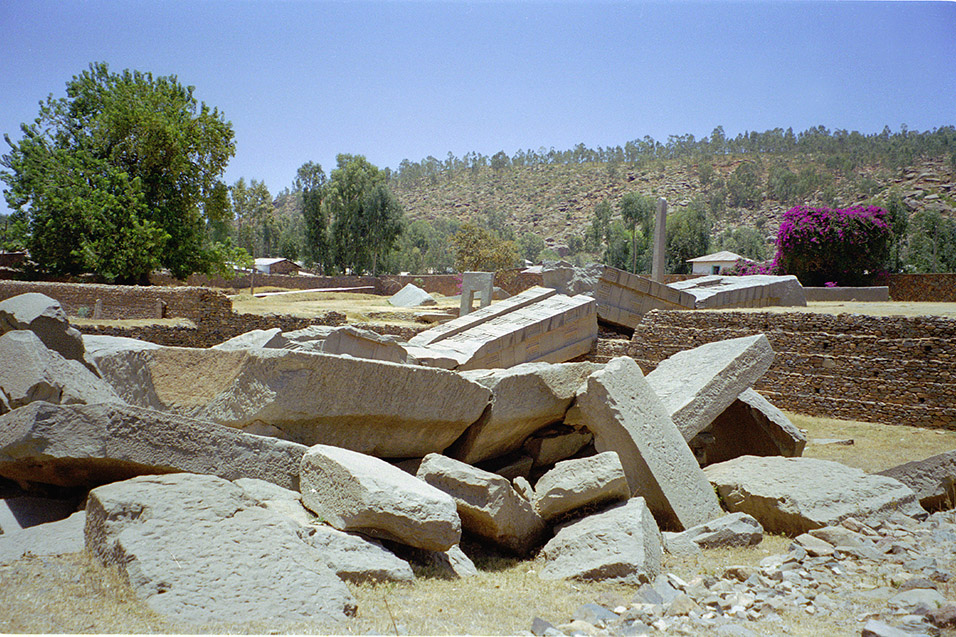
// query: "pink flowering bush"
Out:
[833,246]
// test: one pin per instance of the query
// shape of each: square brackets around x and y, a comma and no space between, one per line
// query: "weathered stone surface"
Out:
[50,538]
[554,443]
[536,325]
[794,495]
[620,544]
[73,445]
[525,398]
[623,298]
[29,371]
[355,492]
[364,344]
[734,530]
[98,345]
[194,547]
[570,280]
[758,290]
[574,484]
[308,339]
[696,385]
[253,340]
[44,317]
[356,559]
[412,296]
[275,498]
[933,479]
[751,426]
[384,409]
[625,415]
[487,504]
[22,512]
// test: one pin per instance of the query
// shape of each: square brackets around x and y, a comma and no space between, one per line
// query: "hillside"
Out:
[556,201]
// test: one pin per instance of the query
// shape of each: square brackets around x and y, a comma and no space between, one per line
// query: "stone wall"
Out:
[871,294]
[880,369]
[933,288]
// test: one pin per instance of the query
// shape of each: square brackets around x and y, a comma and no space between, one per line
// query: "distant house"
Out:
[716,263]
[276,266]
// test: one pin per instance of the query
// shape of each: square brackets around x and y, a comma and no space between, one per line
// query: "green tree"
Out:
[745,241]
[743,186]
[13,232]
[597,232]
[531,246]
[479,250]
[122,153]
[688,236]
[932,243]
[637,210]
[256,228]
[310,180]
[898,217]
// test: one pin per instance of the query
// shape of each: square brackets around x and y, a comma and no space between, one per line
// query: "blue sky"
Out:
[305,80]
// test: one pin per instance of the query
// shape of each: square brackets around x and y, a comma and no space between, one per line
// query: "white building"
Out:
[716,263]
[276,266]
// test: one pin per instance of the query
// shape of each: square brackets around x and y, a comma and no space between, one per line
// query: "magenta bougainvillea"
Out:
[832,246]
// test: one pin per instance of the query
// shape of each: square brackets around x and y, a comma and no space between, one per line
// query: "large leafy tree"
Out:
[637,211]
[119,176]
[310,180]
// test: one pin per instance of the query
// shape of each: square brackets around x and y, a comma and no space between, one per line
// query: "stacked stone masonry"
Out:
[930,288]
[894,370]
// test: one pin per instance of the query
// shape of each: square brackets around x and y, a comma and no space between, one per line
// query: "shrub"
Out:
[846,246]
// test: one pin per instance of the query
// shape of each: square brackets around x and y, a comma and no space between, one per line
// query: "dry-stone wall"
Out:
[895,370]
[932,288]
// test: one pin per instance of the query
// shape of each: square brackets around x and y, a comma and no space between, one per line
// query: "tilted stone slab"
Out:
[751,426]
[733,530]
[758,290]
[584,482]
[525,398]
[621,544]
[623,298]
[29,372]
[44,317]
[625,415]
[487,504]
[933,479]
[795,495]
[375,407]
[412,296]
[355,558]
[355,492]
[195,548]
[253,340]
[88,445]
[536,325]
[364,344]
[696,385]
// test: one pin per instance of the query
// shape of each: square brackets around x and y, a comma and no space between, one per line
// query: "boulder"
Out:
[355,558]
[696,385]
[253,340]
[44,317]
[625,415]
[933,480]
[793,495]
[88,445]
[364,344]
[308,339]
[412,296]
[751,426]
[524,399]
[621,544]
[51,538]
[355,492]
[453,563]
[487,504]
[585,482]
[29,371]
[728,531]
[195,548]
[557,442]
[387,410]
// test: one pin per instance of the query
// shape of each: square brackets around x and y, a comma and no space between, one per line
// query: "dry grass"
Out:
[170,322]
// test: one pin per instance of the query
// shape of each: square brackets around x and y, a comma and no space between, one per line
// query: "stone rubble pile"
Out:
[373,468]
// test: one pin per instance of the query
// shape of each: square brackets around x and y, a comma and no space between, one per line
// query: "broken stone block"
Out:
[933,480]
[412,296]
[525,398]
[510,467]
[88,445]
[751,426]
[623,298]
[275,498]
[356,559]
[487,504]
[536,325]
[364,344]
[794,495]
[308,339]
[696,385]
[585,482]
[355,492]
[179,541]
[50,538]
[554,443]
[621,544]
[29,372]
[253,340]
[472,284]
[758,290]
[734,530]
[625,415]
[45,317]
[386,410]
